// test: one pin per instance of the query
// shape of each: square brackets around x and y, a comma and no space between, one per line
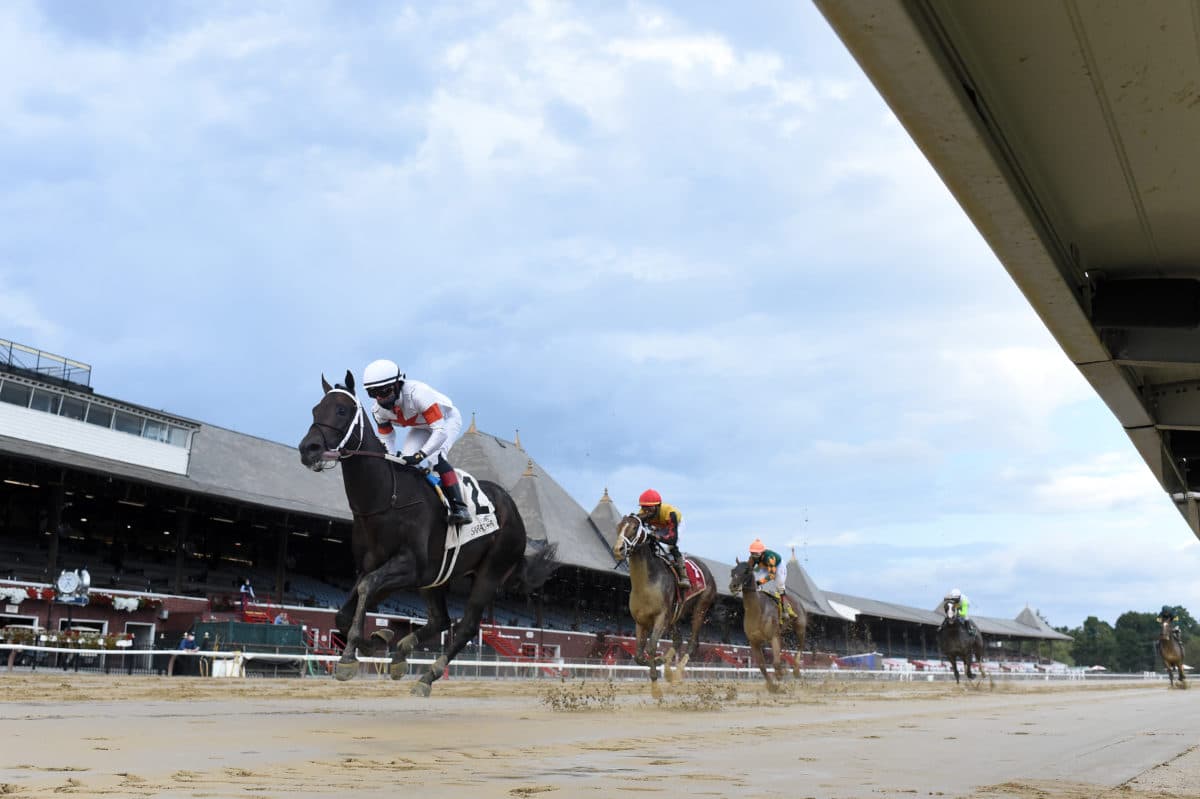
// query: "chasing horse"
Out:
[959,640]
[1170,648]
[656,600]
[402,538]
[761,621]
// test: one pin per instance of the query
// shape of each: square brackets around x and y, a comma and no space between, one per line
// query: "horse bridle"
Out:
[355,426]
[637,540]
[359,423]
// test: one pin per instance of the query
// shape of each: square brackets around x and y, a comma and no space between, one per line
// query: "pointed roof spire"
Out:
[472,428]
[606,497]
[517,440]
[528,469]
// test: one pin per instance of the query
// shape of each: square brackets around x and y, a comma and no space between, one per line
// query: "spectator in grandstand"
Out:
[666,522]
[959,602]
[247,593]
[188,641]
[281,618]
[433,423]
[772,575]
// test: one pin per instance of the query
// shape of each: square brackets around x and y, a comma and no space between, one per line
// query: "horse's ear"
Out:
[325,384]
[349,382]
[737,561]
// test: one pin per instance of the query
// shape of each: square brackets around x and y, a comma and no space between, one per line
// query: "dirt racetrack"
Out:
[156,736]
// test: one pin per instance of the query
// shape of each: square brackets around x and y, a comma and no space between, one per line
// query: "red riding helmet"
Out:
[650,497]
[757,547]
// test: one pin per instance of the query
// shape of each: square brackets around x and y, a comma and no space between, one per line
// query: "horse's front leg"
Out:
[777,650]
[641,632]
[954,668]
[347,665]
[395,573]
[652,657]
[760,658]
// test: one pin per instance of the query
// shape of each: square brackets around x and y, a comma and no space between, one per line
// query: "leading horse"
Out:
[1170,649]
[399,538]
[761,623]
[956,641]
[655,601]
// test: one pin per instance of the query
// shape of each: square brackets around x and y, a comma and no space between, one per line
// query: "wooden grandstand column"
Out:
[54,523]
[281,550]
[183,532]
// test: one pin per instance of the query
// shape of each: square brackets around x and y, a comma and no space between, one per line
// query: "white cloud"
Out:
[23,318]
[1109,481]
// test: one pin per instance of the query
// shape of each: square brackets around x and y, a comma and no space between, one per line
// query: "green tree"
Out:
[1095,644]
[1135,636]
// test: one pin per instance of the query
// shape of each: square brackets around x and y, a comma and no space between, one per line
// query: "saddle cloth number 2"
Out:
[477,497]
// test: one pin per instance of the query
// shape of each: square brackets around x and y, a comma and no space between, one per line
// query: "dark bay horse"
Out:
[761,623]
[655,601]
[956,642]
[399,536]
[1170,649]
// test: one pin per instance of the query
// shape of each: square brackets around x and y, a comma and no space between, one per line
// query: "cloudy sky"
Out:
[675,245]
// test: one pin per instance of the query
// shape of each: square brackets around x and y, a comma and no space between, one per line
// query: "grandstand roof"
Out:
[801,586]
[1025,625]
[549,512]
[605,516]
[222,464]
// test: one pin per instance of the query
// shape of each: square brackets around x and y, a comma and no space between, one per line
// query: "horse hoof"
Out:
[656,691]
[345,670]
[421,689]
[385,635]
[398,671]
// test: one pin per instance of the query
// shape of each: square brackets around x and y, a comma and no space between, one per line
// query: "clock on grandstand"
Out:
[72,586]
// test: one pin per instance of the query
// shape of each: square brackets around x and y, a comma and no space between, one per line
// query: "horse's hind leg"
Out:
[673,667]
[800,630]
[487,580]
[439,621]
[699,616]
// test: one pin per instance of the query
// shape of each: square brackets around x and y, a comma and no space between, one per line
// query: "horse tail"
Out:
[535,568]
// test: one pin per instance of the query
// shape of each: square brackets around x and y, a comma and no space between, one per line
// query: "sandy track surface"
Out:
[152,736]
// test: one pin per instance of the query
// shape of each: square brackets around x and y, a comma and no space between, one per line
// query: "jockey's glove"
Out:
[414,459]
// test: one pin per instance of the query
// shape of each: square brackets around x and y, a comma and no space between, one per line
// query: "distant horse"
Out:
[1170,650]
[956,641]
[399,537]
[761,623]
[655,600]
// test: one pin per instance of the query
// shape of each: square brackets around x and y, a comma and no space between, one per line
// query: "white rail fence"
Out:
[233,663]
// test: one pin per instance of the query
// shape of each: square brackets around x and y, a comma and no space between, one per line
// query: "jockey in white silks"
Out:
[432,421]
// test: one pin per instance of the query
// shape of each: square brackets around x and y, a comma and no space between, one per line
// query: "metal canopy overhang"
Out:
[1067,132]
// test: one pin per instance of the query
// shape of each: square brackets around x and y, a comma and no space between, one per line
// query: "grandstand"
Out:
[159,505]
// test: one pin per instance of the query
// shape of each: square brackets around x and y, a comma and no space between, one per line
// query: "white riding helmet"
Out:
[381,373]
[954,594]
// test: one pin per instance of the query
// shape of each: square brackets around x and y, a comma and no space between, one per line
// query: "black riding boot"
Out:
[681,574]
[459,513]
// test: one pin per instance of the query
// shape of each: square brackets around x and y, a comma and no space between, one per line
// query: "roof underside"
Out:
[1067,132]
